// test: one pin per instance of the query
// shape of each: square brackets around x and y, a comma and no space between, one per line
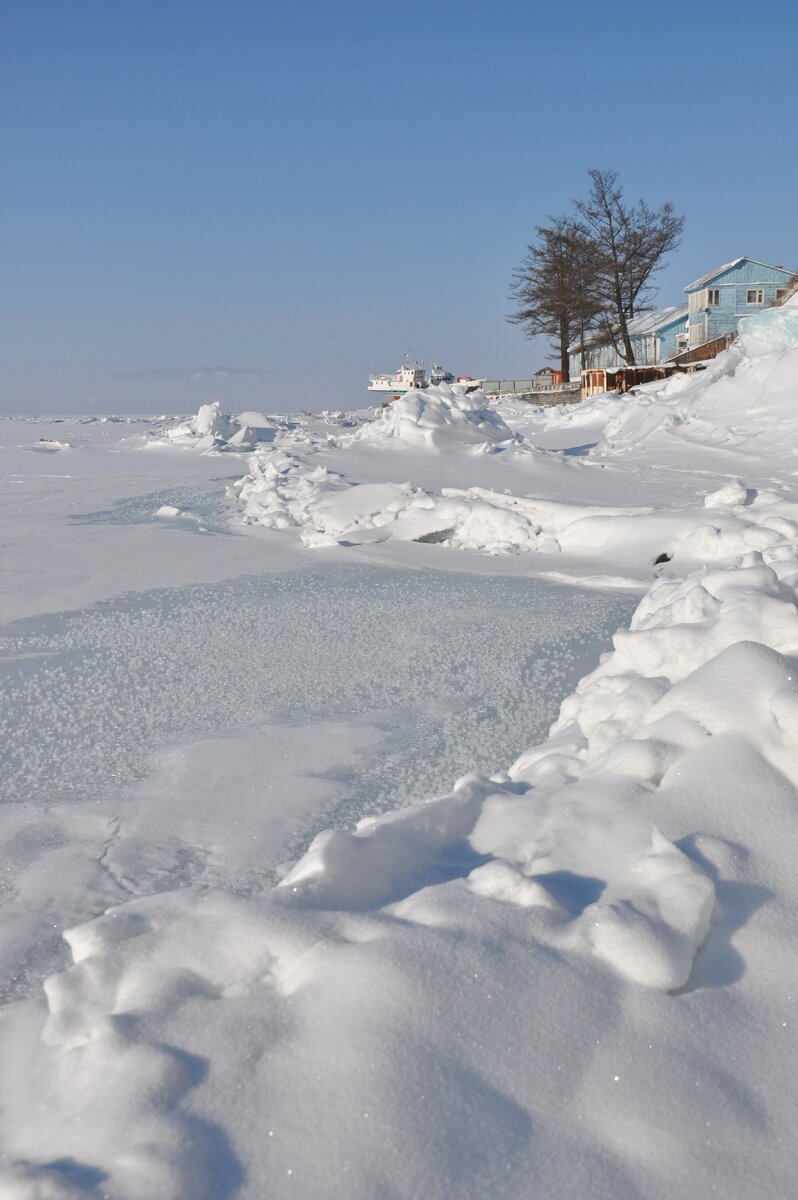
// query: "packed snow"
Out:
[211,429]
[304,896]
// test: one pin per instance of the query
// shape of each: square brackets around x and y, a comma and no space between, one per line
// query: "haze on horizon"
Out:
[261,205]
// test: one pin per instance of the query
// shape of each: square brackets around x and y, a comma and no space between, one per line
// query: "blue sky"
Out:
[260,203]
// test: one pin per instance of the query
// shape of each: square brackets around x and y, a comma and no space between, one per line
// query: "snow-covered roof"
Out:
[699,283]
[650,322]
[711,275]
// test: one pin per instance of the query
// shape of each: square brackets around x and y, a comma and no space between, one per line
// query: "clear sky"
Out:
[262,202]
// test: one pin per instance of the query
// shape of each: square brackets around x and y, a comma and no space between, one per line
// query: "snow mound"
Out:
[50,446]
[745,397]
[485,965]
[772,332]
[211,429]
[569,831]
[439,417]
[284,491]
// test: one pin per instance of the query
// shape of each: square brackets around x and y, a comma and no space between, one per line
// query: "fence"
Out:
[530,389]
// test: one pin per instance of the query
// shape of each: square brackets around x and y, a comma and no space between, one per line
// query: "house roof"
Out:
[650,322]
[698,283]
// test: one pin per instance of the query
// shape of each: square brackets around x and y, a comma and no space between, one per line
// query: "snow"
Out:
[647,322]
[697,283]
[650,322]
[351,853]
[437,417]
[213,430]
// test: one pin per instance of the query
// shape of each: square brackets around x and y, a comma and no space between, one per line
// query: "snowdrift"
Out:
[440,417]
[211,429]
[746,397]
[507,983]
[285,489]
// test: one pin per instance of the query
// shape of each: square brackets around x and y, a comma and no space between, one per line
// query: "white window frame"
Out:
[780,294]
[713,297]
[758,293]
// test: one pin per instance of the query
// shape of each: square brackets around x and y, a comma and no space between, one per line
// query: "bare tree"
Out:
[554,287]
[629,244]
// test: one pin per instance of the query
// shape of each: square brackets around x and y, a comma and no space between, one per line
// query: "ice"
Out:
[212,430]
[450,684]
[50,446]
[773,331]
[439,417]
[343,914]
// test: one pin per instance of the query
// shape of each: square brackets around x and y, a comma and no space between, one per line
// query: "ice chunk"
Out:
[770,332]
[734,492]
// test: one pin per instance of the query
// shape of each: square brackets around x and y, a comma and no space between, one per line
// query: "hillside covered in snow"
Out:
[569,970]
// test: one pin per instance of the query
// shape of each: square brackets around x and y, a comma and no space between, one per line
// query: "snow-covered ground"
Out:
[304,897]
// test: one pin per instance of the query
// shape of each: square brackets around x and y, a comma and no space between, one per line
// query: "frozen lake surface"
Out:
[459,672]
[239,960]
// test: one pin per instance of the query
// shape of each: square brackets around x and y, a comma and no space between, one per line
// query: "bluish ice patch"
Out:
[204,508]
[461,672]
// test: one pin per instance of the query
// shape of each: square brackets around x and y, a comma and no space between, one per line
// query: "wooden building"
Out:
[741,288]
[547,377]
[597,380]
[655,338]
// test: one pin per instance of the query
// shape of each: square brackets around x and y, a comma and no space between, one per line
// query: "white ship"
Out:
[439,375]
[409,376]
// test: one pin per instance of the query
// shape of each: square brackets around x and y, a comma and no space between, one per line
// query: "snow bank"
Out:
[439,417]
[704,656]
[774,331]
[284,491]
[421,963]
[211,429]
[745,397]
[467,994]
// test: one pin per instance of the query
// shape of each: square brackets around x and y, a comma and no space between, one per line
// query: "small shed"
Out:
[547,377]
[596,380]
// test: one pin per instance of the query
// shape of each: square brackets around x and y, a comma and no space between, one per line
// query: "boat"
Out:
[438,375]
[409,377]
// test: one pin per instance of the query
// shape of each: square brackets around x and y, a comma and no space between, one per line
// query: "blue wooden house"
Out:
[655,338]
[737,289]
[715,304]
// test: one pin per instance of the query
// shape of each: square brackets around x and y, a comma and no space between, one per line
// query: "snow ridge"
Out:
[417,971]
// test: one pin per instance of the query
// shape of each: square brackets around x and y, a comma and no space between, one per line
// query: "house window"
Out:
[780,294]
[755,296]
[713,297]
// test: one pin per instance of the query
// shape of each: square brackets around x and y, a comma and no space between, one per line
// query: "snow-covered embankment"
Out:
[470,996]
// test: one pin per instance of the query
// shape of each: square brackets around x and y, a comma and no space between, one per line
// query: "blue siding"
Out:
[668,336]
[649,349]
[708,322]
[749,272]
[717,320]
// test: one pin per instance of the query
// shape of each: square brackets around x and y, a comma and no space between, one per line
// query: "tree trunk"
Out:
[628,352]
[565,366]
